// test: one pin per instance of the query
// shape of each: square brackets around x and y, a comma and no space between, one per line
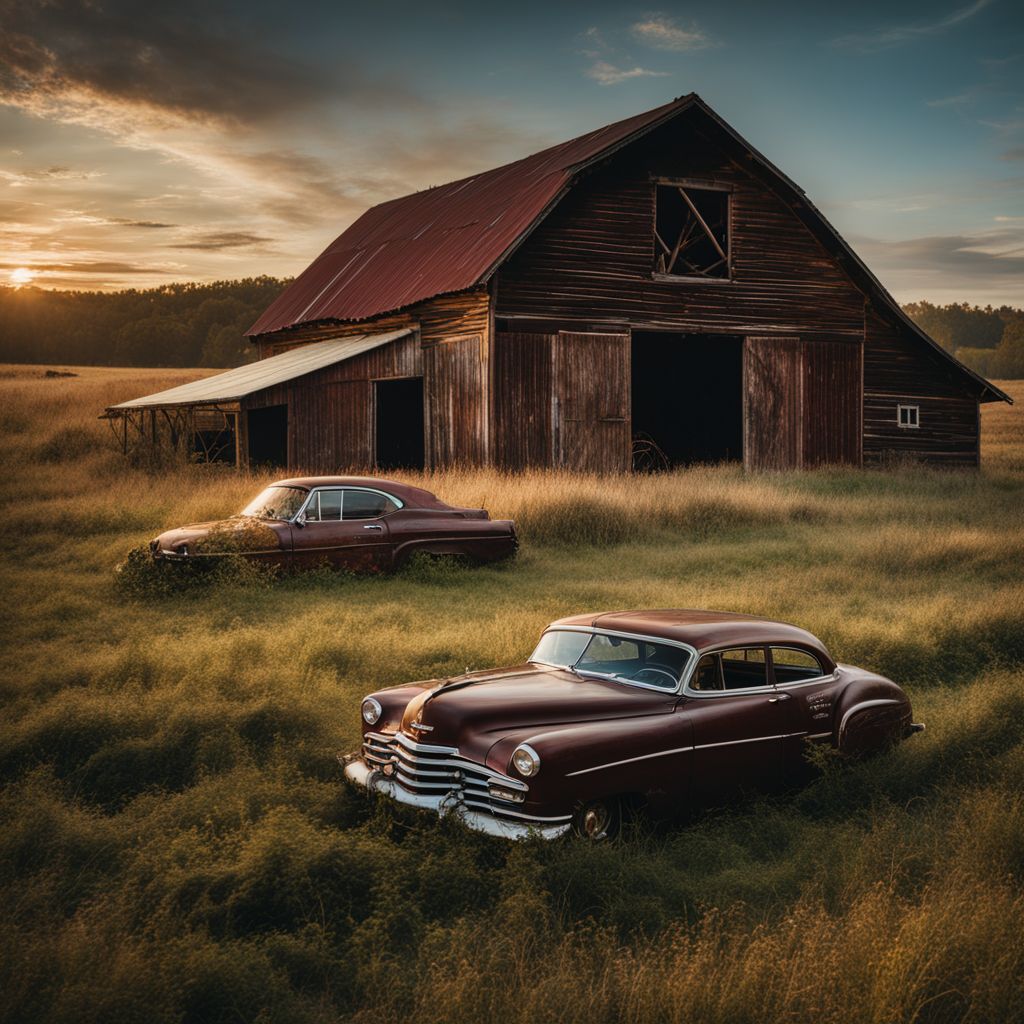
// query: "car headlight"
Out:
[525,760]
[371,711]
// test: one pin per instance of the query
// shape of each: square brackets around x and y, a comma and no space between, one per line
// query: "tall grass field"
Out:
[176,843]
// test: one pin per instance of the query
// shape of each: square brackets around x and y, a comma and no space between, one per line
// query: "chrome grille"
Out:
[429,769]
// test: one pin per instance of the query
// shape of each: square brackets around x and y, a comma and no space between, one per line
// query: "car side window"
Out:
[367,504]
[791,665]
[324,507]
[744,668]
[707,675]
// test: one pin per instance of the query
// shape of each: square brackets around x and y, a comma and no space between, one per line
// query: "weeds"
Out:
[175,844]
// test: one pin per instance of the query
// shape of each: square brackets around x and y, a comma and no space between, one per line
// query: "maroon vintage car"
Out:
[348,522]
[662,709]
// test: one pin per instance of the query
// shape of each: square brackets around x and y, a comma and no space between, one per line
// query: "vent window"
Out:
[908,416]
[691,233]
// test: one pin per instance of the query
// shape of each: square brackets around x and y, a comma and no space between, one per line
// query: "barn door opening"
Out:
[267,430]
[399,406]
[687,399]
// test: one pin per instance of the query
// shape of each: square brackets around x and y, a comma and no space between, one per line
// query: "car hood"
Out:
[473,711]
[237,533]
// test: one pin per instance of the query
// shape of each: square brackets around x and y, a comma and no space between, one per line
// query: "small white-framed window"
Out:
[908,416]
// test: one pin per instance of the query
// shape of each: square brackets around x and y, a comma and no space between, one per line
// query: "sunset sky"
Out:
[144,143]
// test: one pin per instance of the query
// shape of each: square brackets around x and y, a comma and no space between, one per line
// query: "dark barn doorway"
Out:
[400,423]
[268,436]
[687,399]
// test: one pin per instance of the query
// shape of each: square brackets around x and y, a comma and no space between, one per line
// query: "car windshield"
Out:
[627,659]
[276,503]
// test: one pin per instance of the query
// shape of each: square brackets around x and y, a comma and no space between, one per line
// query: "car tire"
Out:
[597,821]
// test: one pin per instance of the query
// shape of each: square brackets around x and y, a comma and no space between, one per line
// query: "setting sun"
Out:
[22,276]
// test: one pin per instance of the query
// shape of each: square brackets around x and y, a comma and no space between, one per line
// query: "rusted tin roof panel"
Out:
[444,239]
[265,373]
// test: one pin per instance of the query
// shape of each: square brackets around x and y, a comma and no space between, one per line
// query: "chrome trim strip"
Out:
[753,739]
[429,748]
[818,735]
[630,760]
[460,763]
[860,707]
[356,771]
[697,746]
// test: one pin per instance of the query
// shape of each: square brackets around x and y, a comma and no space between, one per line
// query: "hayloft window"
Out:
[691,231]
[908,416]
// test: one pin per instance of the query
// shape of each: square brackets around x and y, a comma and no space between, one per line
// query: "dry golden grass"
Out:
[174,844]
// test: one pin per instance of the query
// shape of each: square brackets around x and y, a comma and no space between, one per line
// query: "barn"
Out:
[652,294]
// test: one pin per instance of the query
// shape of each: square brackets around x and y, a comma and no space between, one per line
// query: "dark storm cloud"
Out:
[163,57]
[216,241]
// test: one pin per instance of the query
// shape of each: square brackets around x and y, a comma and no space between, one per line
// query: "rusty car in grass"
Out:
[357,523]
[663,710]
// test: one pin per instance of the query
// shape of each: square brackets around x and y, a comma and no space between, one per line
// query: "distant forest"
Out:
[205,325]
[173,325]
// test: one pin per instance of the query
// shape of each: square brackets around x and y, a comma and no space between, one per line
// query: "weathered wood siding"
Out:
[832,401]
[899,369]
[591,261]
[331,412]
[455,387]
[592,402]
[772,403]
[523,393]
[331,420]
[802,403]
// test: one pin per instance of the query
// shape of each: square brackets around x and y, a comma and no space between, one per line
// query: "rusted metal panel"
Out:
[832,398]
[591,413]
[455,396]
[896,371]
[772,403]
[522,389]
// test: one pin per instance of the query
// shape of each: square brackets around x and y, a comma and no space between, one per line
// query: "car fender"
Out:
[870,708]
[641,755]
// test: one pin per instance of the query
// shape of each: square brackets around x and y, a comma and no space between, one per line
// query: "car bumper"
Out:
[356,770]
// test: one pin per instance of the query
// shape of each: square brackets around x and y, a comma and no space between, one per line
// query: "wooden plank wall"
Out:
[331,423]
[802,403]
[455,375]
[592,403]
[590,263]
[522,390]
[772,403]
[832,400]
[899,369]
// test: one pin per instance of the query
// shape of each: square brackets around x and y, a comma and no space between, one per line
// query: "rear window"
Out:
[792,665]
[367,505]
[744,668]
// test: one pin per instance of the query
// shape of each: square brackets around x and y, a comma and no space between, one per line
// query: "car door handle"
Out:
[373,526]
[776,699]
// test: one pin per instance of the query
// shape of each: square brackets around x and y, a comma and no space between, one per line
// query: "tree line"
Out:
[183,324]
[204,325]
[988,340]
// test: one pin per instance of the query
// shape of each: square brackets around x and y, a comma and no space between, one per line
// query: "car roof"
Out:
[415,497]
[702,630]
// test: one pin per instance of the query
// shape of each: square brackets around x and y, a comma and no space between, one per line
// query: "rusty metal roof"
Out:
[444,239]
[265,373]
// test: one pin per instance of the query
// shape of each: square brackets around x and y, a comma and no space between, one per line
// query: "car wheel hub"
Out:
[595,821]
